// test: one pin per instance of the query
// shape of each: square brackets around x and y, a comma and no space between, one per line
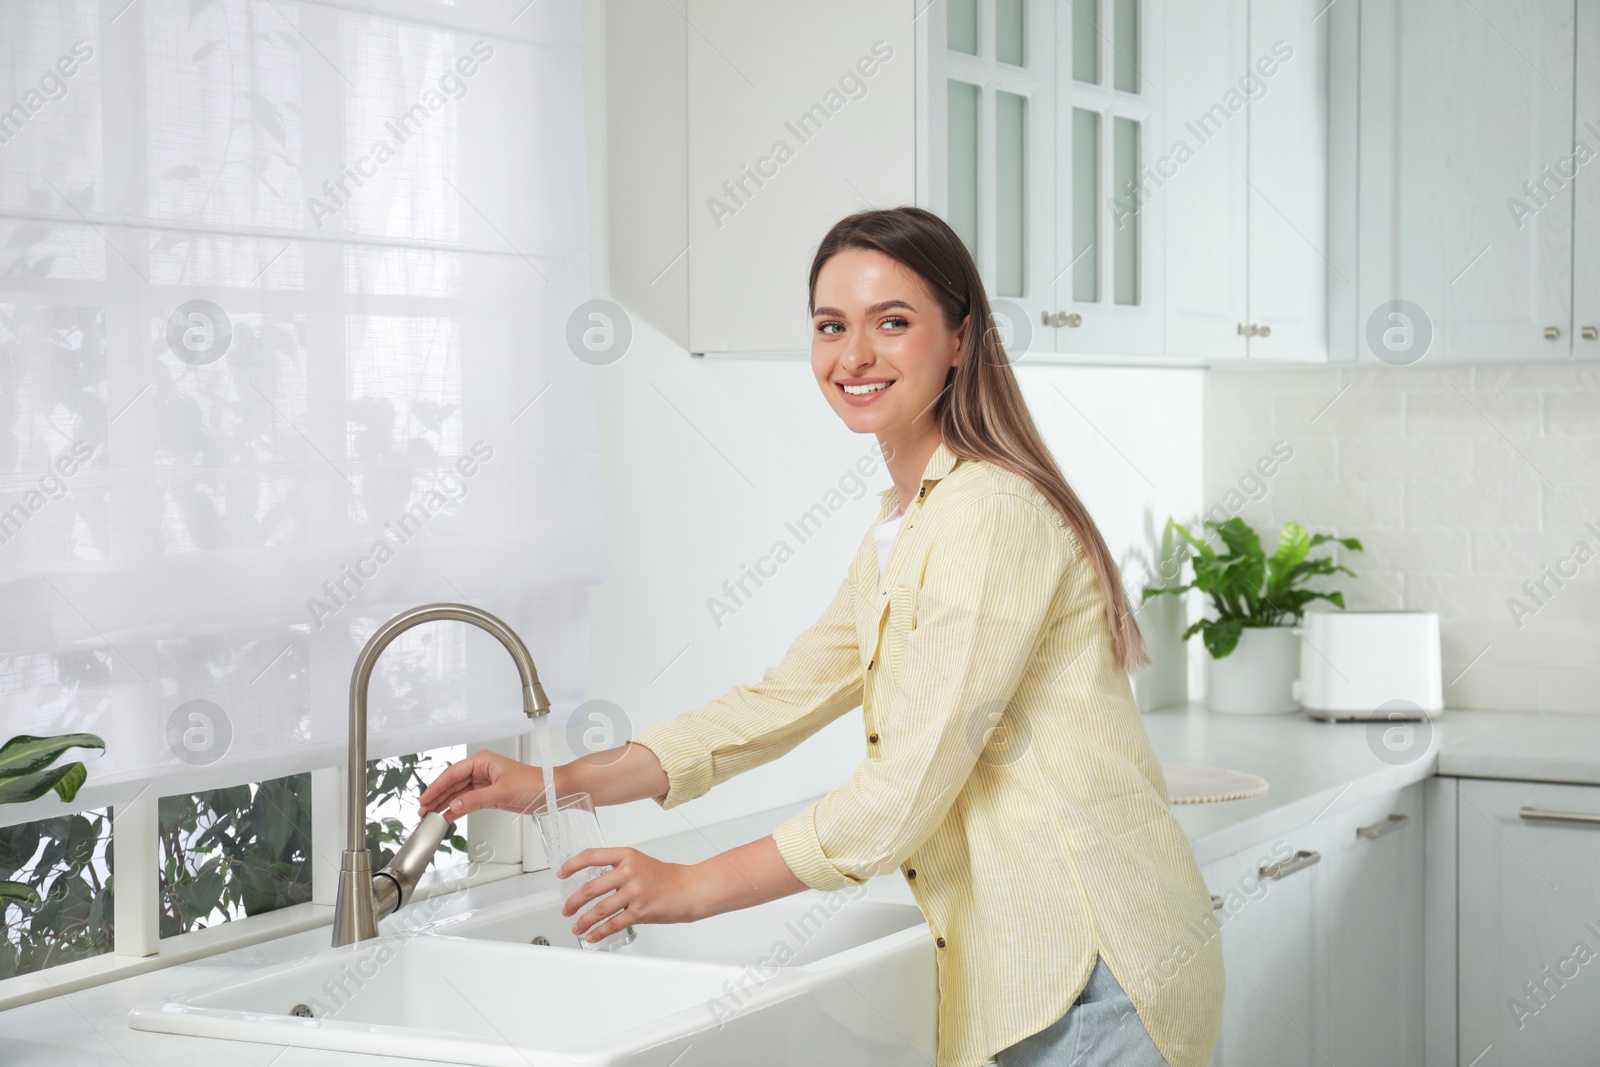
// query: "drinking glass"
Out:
[578,828]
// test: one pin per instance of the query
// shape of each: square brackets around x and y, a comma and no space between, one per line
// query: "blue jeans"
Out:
[1100,1029]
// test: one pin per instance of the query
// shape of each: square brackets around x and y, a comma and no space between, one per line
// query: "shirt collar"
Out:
[941,463]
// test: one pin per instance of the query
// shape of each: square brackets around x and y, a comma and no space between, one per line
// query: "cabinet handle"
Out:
[1263,331]
[1552,333]
[1590,333]
[1559,816]
[1246,331]
[1299,861]
[1387,826]
[1216,902]
[1061,318]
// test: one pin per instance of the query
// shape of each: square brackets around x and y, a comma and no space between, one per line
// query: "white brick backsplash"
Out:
[1271,382]
[1472,505]
[1413,379]
[1542,644]
[1460,640]
[1449,413]
[1372,591]
[1471,597]
[1239,411]
[1335,413]
[1563,460]
[1523,553]
[1572,413]
[1571,504]
[1574,691]
[1536,377]
[1499,459]
[1331,506]
[1409,551]
[1229,458]
[1463,482]
[1483,686]
[1405,459]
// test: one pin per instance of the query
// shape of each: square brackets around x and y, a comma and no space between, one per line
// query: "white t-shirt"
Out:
[883,534]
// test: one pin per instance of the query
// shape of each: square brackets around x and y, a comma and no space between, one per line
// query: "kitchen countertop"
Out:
[1311,768]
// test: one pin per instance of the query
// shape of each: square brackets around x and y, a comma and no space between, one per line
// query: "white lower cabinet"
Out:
[1528,922]
[1374,931]
[1324,961]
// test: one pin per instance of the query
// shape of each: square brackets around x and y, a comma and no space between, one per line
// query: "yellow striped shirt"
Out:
[1032,840]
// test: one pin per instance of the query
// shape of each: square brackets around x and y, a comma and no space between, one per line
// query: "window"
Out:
[283,352]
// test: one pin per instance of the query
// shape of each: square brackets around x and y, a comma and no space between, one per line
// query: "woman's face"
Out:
[879,345]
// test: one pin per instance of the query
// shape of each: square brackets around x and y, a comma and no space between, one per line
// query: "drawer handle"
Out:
[1299,861]
[1387,826]
[1559,816]
[1216,902]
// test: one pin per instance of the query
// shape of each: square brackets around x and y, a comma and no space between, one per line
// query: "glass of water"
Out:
[574,828]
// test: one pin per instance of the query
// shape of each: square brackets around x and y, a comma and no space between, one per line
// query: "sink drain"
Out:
[301,1011]
[539,939]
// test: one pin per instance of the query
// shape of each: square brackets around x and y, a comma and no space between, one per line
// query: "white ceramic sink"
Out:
[799,931]
[812,979]
[451,1000]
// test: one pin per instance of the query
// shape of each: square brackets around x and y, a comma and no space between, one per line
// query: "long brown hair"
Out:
[980,413]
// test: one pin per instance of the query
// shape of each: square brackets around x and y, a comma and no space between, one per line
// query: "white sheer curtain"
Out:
[284,296]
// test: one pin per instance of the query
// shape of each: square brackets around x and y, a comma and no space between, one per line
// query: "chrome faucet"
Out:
[364,897]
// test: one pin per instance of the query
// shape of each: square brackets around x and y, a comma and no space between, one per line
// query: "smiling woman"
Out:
[1006,770]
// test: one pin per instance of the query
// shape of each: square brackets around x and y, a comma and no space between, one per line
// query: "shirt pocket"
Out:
[900,621]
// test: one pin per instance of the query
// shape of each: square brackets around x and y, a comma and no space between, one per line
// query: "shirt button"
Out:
[940,942]
[872,738]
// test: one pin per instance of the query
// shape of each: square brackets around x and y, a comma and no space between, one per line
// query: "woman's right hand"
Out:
[485,780]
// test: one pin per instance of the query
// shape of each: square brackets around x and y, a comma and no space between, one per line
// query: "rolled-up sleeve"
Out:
[986,594]
[818,680]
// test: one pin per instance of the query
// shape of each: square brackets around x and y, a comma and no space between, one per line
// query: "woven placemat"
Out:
[1190,783]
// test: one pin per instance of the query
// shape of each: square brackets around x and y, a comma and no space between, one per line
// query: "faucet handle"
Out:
[394,885]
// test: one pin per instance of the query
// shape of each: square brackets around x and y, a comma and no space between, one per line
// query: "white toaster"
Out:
[1370,665]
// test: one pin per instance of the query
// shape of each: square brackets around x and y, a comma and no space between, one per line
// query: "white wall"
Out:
[705,462]
[1463,484]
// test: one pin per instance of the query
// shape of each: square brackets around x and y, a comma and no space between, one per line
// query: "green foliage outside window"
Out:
[225,853]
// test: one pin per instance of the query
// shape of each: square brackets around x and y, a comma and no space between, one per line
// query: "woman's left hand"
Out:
[647,890]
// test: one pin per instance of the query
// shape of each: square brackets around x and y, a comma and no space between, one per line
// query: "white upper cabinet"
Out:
[1246,180]
[1137,179]
[1042,121]
[1108,236]
[1204,184]
[988,168]
[797,116]
[1586,188]
[1466,180]
[1288,181]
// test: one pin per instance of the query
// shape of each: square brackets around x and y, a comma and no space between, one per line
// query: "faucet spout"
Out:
[358,908]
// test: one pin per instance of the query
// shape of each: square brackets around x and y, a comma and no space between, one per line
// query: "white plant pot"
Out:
[1258,677]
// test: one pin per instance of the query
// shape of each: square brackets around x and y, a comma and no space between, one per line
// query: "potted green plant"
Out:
[26,774]
[1257,602]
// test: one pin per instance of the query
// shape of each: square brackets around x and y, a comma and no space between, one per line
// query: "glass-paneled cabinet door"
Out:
[1106,268]
[988,165]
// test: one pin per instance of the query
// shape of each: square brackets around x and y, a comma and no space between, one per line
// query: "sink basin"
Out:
[799,931]
[447,999]
[817,978]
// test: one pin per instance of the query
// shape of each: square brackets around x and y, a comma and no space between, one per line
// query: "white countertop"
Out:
[1311,768]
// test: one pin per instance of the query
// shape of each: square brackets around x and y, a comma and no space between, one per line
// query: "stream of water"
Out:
[541,737]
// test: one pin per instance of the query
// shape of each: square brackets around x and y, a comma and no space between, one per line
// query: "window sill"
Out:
[239,933]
